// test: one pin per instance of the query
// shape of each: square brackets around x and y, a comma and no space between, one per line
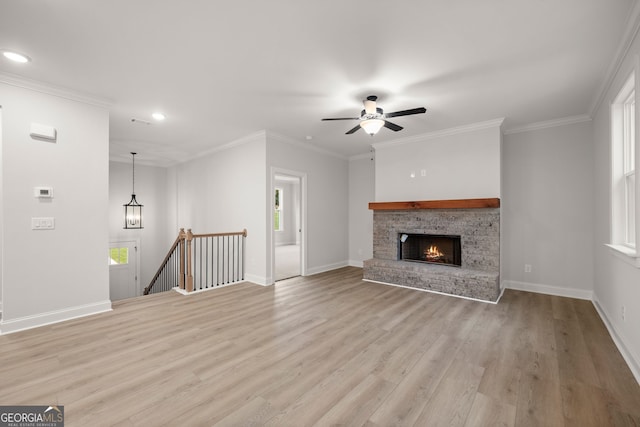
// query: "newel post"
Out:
[181,236]
[189,284]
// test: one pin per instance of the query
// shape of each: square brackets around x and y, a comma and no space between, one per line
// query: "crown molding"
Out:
[253,137]
[49,89]
[260,136]
[549,124]
[632,26]
[369,156]
[442,133]
[287,140]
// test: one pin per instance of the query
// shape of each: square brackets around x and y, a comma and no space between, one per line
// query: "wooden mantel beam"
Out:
[436,204]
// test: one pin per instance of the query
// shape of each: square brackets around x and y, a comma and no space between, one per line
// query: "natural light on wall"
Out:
[277,213]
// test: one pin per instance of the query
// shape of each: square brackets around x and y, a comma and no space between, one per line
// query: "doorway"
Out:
[123,270]
[288,248]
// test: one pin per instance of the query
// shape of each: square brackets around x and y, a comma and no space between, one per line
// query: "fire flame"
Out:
[433,252]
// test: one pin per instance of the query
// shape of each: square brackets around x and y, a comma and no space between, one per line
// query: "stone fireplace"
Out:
[448,246]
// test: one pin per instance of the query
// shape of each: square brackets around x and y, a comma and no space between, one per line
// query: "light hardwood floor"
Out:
[287,261]
[326,350]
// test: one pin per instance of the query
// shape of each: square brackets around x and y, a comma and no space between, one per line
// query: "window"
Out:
[623,180]
[629,170]
[118,256]
[277,214]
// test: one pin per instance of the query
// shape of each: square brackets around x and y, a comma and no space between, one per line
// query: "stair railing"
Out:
[201,261]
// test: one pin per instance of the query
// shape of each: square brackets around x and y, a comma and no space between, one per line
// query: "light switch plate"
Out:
[47,223]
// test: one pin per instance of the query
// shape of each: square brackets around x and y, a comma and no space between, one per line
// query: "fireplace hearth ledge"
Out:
[474,284]
[431,291]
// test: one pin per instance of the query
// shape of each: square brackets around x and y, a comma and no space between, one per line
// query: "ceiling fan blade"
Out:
[392,126]
[353,130]
[343,118]
[407,112]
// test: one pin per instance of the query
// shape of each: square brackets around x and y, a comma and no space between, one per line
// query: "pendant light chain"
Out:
[133,175]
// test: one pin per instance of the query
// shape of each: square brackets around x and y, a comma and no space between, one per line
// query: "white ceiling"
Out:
[223,70]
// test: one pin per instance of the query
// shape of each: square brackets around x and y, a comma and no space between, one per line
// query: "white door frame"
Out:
[303,220]
[136,243]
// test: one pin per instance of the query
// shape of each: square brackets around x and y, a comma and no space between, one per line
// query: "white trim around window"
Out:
[625,205]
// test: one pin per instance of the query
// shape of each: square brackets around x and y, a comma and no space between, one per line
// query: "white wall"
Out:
[63,273]
[1,217]
[617,283]
[327,200]
[361,192]
[547,215]
[230,189]
[226,191]
[459,163]
[152,192]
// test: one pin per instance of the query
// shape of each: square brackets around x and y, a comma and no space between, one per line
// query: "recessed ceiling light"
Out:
[158,116]
[15,56]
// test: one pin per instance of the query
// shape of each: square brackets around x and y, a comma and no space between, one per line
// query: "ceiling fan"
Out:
[372,118]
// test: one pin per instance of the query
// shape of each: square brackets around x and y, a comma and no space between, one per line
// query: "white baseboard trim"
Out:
[356,263]
[267,281]
[199,291]
[258,280]
[42,319]
[287,244]
[633,361]
[325,268]
[547,289]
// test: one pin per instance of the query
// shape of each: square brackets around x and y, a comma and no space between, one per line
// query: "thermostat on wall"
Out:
[43,192]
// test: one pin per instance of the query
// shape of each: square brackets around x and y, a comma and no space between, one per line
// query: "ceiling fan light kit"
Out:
[372,118]
[370,105]
[372,126]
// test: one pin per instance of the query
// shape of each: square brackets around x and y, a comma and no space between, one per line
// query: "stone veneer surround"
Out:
[479,229]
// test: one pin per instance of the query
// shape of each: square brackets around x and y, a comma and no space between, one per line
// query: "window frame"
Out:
[624,228]
[121,251]
[278,224]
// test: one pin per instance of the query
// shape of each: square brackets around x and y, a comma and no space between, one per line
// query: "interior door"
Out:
[287,227]
[123,270]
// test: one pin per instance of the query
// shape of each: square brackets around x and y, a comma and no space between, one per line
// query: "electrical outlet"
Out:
[527,268]
[623,312]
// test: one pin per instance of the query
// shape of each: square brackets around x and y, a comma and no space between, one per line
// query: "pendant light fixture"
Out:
[133,209]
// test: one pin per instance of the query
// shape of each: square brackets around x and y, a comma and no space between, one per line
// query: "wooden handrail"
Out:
[163,264]
[234,233]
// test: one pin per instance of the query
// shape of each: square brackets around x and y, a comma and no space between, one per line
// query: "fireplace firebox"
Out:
[430,248]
